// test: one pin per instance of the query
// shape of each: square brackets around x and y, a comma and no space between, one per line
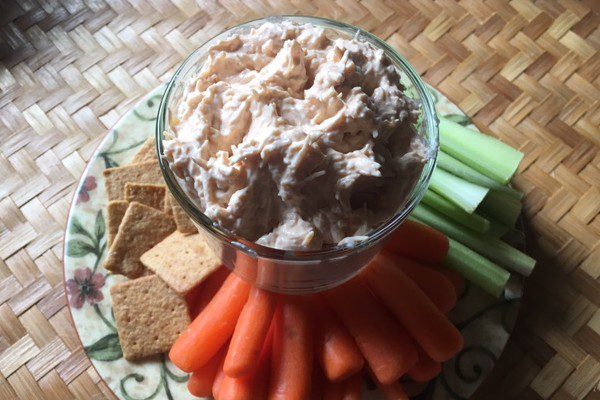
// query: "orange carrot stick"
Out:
[391,391]
[425,369]
[207,290]
[388,349]
[218,380]
[412,388]
[201,382]
[417,313]
[454,277]
[353,388]
[336,350]
[292,360]
[317,382]
[349,389]
[334,390]
[250,333]
[254,385]
[435,285]
[419,241]
[212,327]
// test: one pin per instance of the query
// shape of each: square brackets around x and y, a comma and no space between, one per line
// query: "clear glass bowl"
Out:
[297,272]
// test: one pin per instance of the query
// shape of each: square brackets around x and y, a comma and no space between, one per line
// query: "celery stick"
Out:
[486,154]
[497,229]
[477,269]
[489,247]
[455,167]
[464,194]
[473,221]
[501,207]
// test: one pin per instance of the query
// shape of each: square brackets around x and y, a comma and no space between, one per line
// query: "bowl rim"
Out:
[290,256]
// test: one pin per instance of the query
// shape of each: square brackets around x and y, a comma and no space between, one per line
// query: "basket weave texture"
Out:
[526,71]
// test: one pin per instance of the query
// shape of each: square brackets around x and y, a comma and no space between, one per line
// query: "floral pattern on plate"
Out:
[484,322]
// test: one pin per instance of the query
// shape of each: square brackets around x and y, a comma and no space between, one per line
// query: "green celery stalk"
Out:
[455,167]
[476,269]
[486,154]
[489,247]
[464,194]
[501,207]
[473,221]
[497,229]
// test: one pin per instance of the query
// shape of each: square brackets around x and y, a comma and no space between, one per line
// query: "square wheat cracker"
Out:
[182,261]
[116,211]
[184,223]
[141,229]
[169,200]
[149,195]
[147,152]
[149,315]
[116,178]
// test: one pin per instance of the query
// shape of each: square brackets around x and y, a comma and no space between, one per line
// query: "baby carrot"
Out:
[419,241]
[414,389]
[218,380]
[349,389]
[454,277]
[334,390]
[207,290]
[353,387]
[212,327]
[250,333]
[435,285]
[425,369]
[251,386]
[336,350]
[201,382]
[417,313]
[292,360]
[317,382]
[388,349]
[391,391]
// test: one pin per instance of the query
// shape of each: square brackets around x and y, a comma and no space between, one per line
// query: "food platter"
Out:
[485,322]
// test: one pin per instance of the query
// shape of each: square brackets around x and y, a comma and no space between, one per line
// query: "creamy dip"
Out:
[295,139]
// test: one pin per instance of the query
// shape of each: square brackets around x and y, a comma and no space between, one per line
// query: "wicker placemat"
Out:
[528,72]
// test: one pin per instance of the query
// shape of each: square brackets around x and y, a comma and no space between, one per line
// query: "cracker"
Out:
[116,178]
[147,152]
[116,211]
[149,315]
[150,195]
[141,229]
[184,223]
[182,261]
[169,200]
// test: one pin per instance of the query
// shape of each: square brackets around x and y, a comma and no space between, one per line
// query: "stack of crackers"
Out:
[153,243]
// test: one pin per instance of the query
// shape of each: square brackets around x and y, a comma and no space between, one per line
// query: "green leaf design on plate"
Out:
[107,348]
[459,119]
[100,226]
[76,227]
[79,248]
[139,379]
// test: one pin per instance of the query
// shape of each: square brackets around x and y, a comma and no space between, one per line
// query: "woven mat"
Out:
[528,72]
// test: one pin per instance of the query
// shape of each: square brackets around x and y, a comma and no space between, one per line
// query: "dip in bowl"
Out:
[295,149]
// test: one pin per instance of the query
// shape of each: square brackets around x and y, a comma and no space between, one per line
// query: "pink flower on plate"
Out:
[89,184]
[85,285]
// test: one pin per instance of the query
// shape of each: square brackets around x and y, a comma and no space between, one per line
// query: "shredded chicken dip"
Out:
[295,139]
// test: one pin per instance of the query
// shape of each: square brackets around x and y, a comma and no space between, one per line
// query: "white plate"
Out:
[484,322]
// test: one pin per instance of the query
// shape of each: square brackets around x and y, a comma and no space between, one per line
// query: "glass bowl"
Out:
[298,272]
